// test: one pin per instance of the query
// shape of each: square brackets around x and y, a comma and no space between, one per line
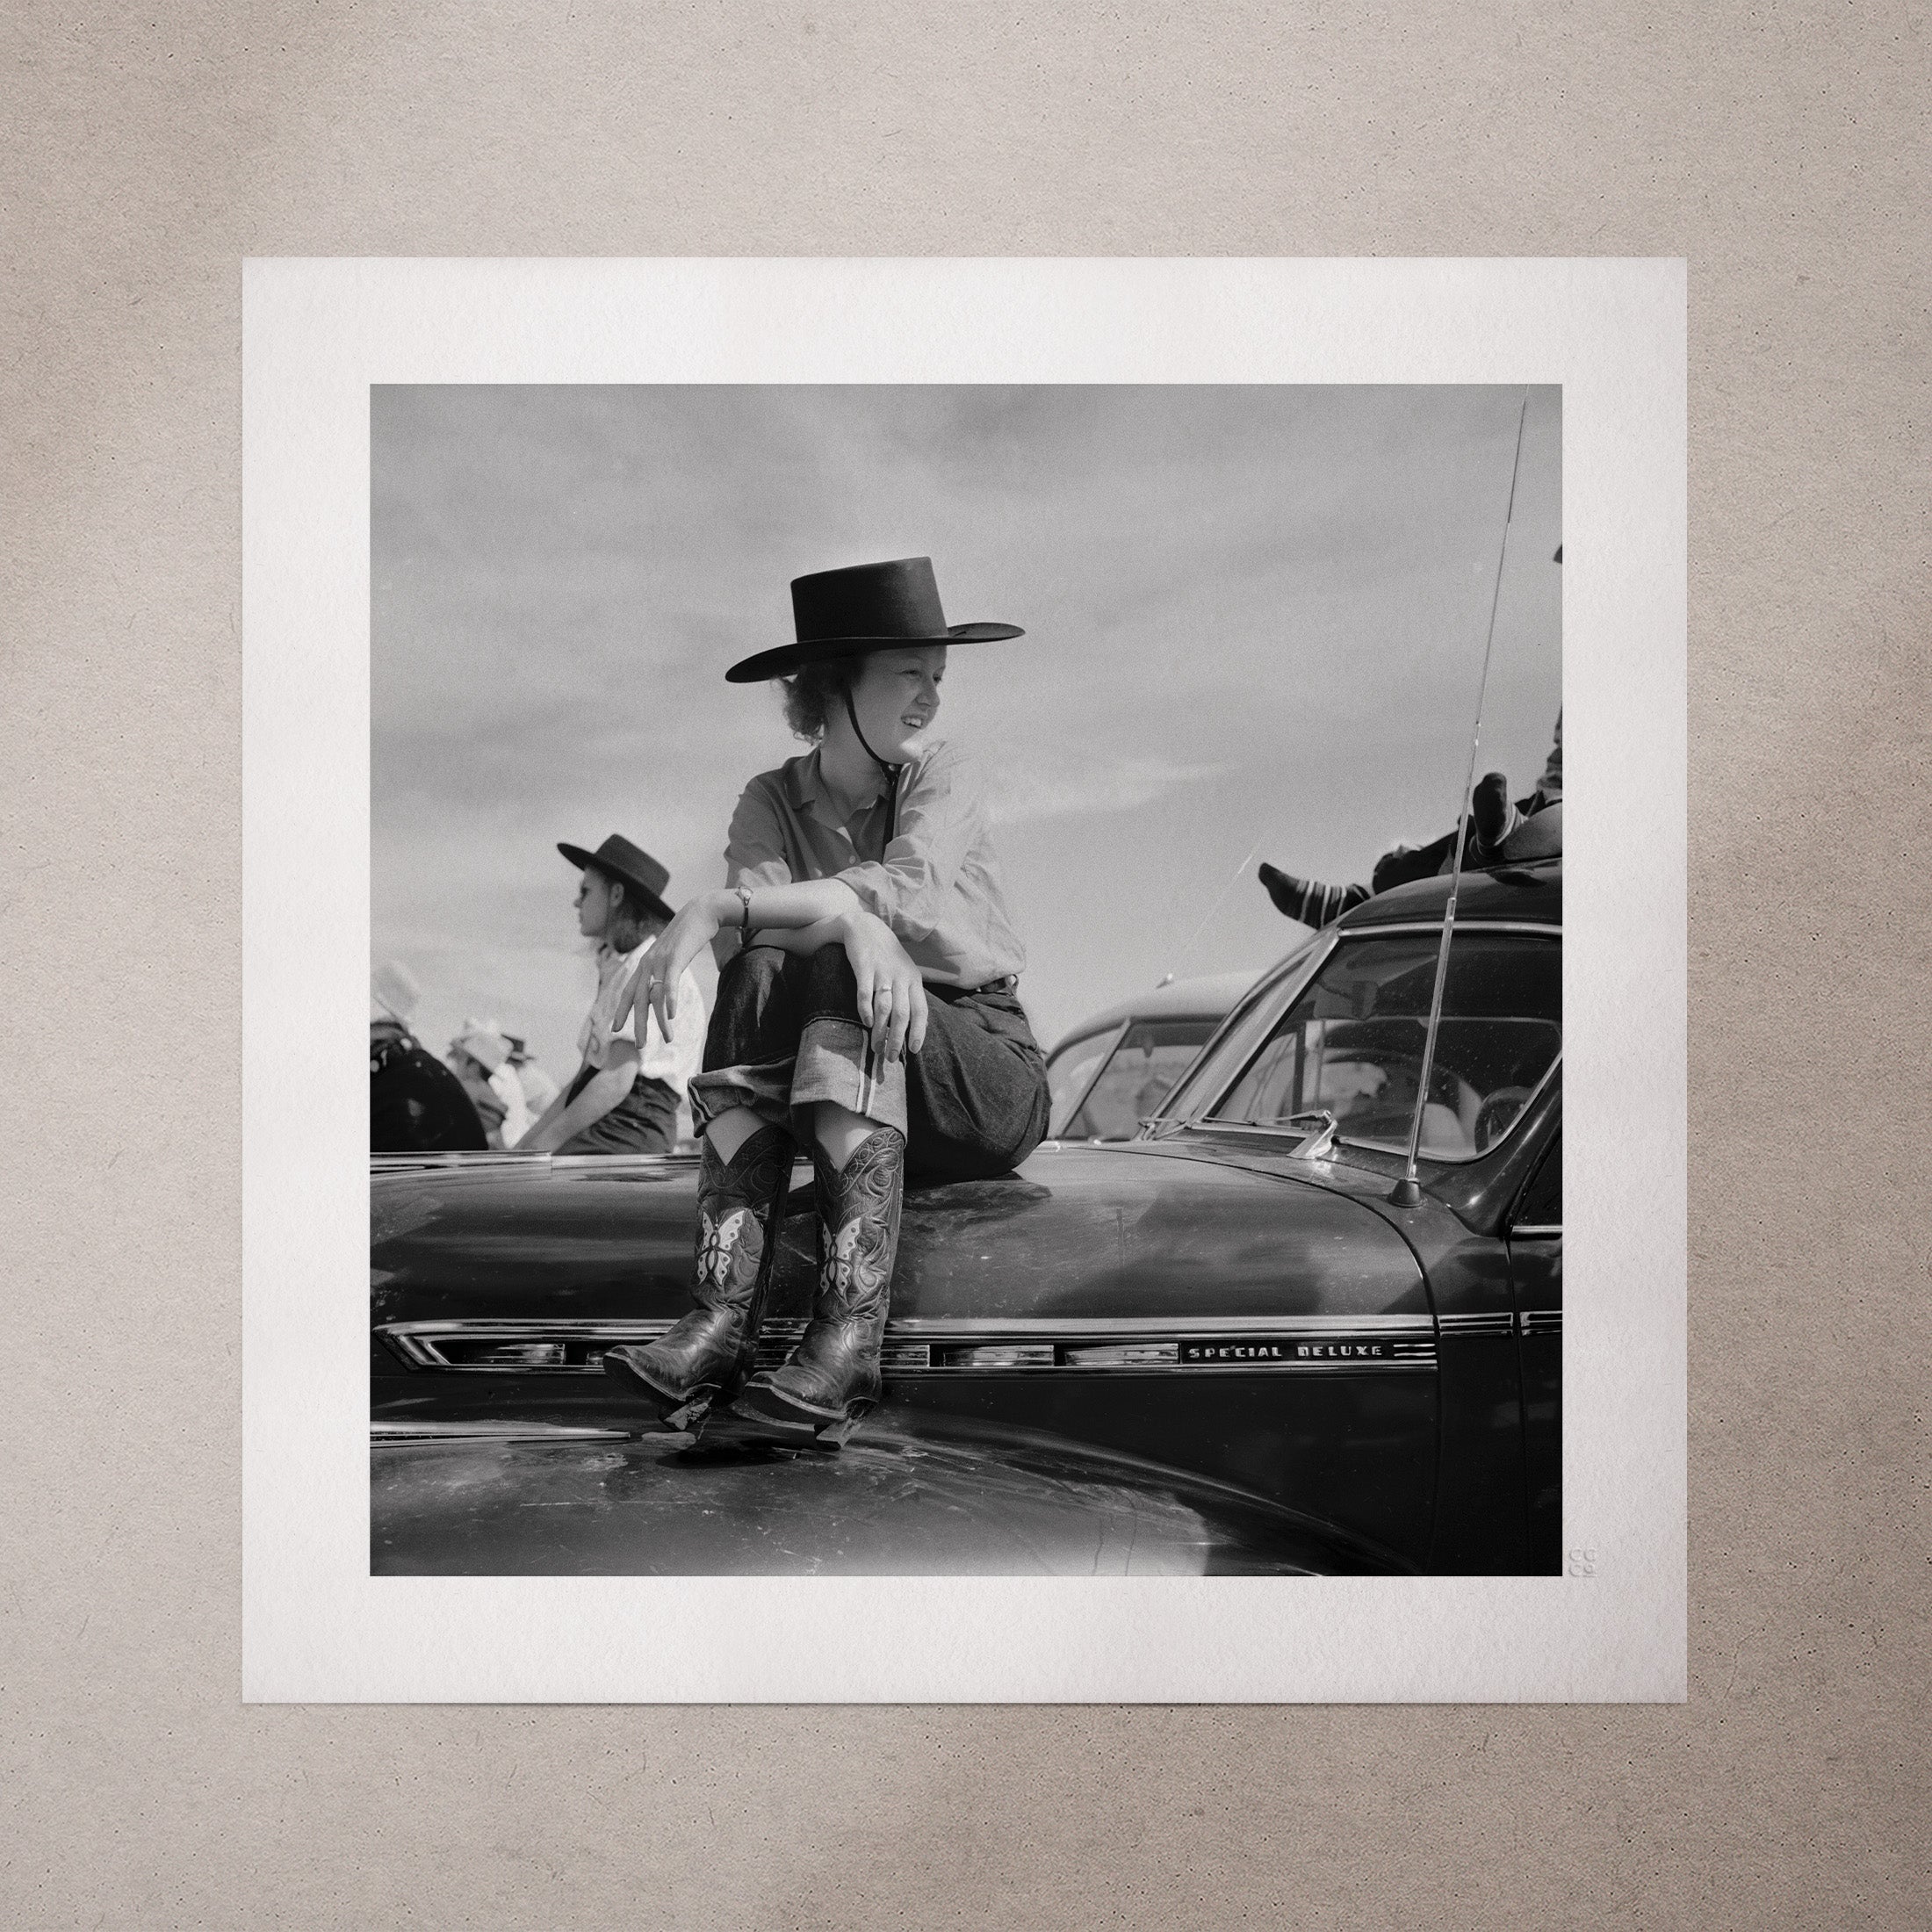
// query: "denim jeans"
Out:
[785,1034]
[645,1121]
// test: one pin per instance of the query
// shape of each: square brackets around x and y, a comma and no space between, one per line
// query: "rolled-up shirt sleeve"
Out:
[939,822]
[755,856]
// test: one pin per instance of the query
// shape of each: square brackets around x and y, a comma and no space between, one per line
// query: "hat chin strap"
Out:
[891,771]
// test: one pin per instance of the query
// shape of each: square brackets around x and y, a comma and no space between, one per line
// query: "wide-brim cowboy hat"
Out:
[483,1045]
[865,608]
[621,860]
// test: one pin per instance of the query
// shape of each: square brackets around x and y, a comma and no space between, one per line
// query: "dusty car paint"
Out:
[900,1500]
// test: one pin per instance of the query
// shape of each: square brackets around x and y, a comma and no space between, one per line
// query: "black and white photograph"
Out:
[966,979]
[954,875]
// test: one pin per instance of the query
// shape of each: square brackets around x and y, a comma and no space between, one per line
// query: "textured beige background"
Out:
[1781,148]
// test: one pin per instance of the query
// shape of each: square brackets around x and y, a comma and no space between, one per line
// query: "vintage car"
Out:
[1110,1072]
[1242,1343]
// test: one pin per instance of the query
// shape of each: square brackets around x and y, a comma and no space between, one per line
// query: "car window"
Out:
[1151,1056]
[1070,1068]
[1352,1041]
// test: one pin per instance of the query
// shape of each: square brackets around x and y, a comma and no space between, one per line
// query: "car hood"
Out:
[905,1498]
[1076,1232]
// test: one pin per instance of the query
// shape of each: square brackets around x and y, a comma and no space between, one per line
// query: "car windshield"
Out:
[1145,1062]
[1352,1042]
[1070,1072]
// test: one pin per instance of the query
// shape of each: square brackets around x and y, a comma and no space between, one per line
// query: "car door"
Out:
[1536,1275]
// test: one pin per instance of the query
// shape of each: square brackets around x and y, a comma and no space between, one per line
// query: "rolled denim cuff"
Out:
[766,1089]
[837,1062]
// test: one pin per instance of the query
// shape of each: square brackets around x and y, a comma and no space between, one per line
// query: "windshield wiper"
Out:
[1320,1144]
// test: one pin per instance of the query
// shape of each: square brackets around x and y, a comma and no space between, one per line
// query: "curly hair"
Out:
[631,923]
[813,691]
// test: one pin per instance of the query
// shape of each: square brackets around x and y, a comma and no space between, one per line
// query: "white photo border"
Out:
[317,1626]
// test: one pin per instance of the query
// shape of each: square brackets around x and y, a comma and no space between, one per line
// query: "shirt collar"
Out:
[806,783]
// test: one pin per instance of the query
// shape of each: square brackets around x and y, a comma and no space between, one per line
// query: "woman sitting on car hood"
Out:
[868,1013]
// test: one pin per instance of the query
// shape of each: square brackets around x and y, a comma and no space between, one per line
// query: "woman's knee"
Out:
[833,986]
[750,974]
[750,997]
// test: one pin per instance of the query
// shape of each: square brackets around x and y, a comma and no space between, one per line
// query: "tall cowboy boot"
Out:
[703,1358]
[831,1379]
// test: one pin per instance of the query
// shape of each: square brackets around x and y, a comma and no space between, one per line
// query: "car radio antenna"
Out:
[1408,1190]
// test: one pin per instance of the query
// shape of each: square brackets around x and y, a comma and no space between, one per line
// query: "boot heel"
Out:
[692,1417]
[674,1413]
[836,1435]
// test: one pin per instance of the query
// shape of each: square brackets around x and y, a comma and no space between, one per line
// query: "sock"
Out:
[1308,900]
[1489,806]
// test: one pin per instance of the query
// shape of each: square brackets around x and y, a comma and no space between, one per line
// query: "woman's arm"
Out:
[599,1093]
[804,915]
[939,818]
[534,1140]
[798,939]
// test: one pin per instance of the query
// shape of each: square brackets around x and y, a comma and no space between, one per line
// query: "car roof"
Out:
[1531,891]
[1206,997]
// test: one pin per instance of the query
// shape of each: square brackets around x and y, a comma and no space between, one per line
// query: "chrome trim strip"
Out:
[472,1159]
[534,1326]
[916,1344]
[1501,1323]
[1541,1231]
[1543,1322]
[1160,1324]
[489,1431]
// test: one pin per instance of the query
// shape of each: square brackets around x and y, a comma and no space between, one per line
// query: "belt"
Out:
[1010,983]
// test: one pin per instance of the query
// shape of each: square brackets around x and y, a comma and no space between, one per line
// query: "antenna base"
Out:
[1406,1192]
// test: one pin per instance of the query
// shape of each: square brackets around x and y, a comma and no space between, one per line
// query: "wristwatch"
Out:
[744,900]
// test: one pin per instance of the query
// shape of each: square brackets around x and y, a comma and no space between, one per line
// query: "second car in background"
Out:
[1117,1067]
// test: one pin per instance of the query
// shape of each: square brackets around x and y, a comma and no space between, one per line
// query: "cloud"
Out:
[1248,610]
[1021,792]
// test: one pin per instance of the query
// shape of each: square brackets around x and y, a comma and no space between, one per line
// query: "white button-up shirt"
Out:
[672,1061]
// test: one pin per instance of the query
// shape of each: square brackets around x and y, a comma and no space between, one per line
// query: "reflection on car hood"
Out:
[900,1500]
[1120,1232]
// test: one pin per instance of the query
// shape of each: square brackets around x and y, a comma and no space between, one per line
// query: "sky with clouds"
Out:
[1254,616]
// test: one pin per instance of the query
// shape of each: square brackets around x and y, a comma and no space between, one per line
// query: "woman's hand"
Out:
[892,994]
[655,983]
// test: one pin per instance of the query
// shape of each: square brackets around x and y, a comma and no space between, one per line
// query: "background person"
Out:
[480,1059]
[539,1090]
[623,1099]
[417,1106]
[1492,819]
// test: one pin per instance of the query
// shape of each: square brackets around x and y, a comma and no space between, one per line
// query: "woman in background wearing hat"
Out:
[623,1099]
[480,1056]
[867,1011]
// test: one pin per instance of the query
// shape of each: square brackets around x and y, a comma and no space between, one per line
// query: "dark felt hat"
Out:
[868,607]
[621,860]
